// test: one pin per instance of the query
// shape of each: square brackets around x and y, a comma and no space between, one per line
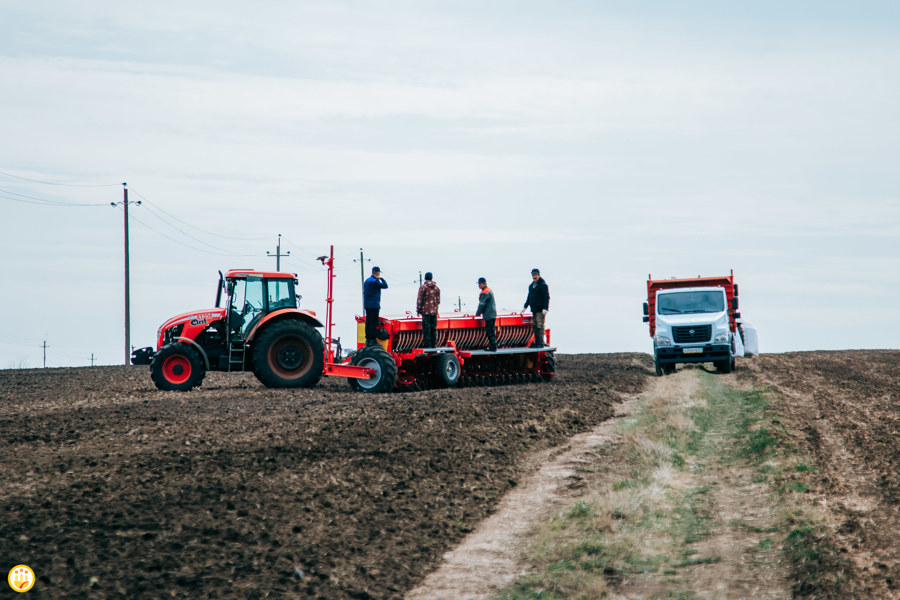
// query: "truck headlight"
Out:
[722,338]
[662,340]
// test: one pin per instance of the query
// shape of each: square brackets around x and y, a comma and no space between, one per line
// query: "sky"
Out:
[600,141]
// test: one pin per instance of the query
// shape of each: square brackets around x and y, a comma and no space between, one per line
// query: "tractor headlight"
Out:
[662,340]
[173,333]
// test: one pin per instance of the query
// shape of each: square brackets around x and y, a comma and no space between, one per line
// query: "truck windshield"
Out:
[691,302]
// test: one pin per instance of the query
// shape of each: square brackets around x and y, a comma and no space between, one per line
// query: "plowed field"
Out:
[844,408]
[112,489]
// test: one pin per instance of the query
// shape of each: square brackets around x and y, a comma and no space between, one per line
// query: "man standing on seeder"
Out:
[539,301]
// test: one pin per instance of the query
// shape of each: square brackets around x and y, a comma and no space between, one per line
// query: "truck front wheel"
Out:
[727,365]
[289,354]
[663,368]
[177,367]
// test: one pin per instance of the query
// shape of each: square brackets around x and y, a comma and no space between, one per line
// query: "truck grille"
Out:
[697,333]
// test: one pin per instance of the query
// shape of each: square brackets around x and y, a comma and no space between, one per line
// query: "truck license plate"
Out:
[693,350]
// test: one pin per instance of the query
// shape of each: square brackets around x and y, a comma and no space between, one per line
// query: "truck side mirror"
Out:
[737,315]
[734,303]
[646,309]
[646,319]
[735,290]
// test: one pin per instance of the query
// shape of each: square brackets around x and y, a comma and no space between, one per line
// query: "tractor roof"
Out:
[244,273]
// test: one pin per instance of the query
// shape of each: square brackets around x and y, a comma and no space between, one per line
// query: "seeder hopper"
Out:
[461,356]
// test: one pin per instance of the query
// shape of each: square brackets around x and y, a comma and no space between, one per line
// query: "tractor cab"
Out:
[251,295]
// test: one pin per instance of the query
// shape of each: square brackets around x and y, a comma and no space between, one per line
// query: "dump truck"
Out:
[694,320]
[260,328]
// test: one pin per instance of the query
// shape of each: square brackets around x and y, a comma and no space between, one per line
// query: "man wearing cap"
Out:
[427,306]
[487,308]
[539,301]
[372,304]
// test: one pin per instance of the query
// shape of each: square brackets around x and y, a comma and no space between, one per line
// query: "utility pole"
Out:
[45,354]
[125,204]
[362,274]
[459,303]
[278,254]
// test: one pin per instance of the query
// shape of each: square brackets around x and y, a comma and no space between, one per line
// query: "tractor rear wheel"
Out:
[289,354]
[446,369]
[382,363]
[177,367]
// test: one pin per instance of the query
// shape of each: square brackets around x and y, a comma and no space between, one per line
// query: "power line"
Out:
[186,234]
[170,238]
[57,183]
[44,201]
[228,237]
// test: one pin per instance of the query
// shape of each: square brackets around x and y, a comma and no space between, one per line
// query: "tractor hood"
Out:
[197,317]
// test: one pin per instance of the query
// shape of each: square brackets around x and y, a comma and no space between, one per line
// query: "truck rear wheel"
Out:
[289,354]
[382,363]
[177,367]
[446,369]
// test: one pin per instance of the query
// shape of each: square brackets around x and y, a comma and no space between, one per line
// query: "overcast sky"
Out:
[599,141]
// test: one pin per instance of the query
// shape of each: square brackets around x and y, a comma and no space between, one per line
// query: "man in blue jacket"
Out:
[539,301]
[372,304]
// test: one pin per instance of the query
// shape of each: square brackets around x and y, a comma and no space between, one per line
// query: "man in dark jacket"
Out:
[427,305]
[539,301]
[487,308]
[372,304]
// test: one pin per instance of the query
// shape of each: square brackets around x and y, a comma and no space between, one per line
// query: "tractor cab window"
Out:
[281,294]
[246,304]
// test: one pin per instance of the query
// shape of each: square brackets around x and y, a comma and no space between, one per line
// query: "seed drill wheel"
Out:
[379,360]
[548,366]
[289,354]
[177,367]
[446,370]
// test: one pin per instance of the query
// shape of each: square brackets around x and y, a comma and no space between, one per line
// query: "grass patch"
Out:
[651,523]
[819,567]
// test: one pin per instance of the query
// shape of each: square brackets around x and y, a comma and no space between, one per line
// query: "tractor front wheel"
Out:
[289,354]
[177,367]
[382,363]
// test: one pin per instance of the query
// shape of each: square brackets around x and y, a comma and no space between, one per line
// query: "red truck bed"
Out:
[725,281]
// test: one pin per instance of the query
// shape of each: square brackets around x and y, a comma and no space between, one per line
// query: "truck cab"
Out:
[692,321]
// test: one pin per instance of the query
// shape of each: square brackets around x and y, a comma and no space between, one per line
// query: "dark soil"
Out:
[112,489]
[844,409]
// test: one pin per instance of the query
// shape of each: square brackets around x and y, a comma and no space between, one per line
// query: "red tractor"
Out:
[260,329]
